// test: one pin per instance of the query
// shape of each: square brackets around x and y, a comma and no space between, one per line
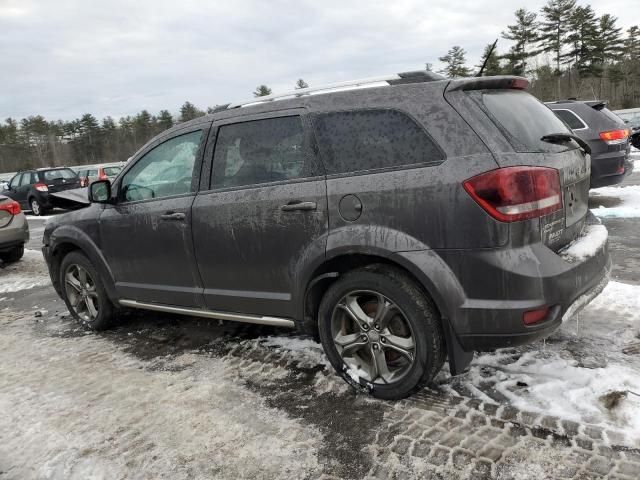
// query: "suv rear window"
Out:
[570,119]
[372,139]
[522,118]
[112,171]
[50,175]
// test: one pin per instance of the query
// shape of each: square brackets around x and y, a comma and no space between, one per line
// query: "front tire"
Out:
[380,332]
[84,292]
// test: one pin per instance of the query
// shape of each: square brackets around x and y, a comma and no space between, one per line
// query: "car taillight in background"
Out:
[614,137]
[101,174]
[12,207]
[516,193]
[41,187]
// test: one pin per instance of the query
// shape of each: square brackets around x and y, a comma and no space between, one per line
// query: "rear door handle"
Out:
[176,216]
[291,206]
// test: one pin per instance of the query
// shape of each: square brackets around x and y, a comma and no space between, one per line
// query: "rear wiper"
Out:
[563,137]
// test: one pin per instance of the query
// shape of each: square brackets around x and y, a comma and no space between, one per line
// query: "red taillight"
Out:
[516,193]
[519,84]
[41,187]
[12,207]
[535,316]
[101,174]
[613,137]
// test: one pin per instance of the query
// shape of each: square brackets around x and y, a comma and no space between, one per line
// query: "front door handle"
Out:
[176,216]
[291,206]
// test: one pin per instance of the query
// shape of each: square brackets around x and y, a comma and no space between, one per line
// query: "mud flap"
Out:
[459,360]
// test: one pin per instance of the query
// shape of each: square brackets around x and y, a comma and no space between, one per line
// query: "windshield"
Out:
[522,118]
[64,173]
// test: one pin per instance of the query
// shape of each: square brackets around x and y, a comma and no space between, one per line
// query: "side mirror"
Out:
[100,191]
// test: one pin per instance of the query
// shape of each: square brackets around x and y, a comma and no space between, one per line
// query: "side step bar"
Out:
[198,312]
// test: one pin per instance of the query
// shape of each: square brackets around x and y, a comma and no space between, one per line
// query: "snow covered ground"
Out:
[30,272]
[628,197]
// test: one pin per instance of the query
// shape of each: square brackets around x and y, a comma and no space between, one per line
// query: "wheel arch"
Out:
[430,275]
[67,239]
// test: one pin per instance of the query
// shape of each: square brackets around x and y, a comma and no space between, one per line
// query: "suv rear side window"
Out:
[363,140]
[259,151]
[51,175]
[522,119]
[570,119]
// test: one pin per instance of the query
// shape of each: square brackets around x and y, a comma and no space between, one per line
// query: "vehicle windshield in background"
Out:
[63,173]
[630,118]
[112,171]
[522,118]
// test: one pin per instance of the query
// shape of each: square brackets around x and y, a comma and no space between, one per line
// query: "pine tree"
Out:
[608,41]
[455,60]
[524,34]
[301,84]
[165,120]
[492,67]
[581,38]
[262,91]
[188,111]
[553,31]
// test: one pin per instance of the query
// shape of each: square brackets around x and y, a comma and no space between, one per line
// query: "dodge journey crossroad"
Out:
[404,224]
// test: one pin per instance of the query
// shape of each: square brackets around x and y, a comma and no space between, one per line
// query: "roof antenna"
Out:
[484,64]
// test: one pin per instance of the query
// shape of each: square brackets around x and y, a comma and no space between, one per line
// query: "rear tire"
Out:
[13,255]
[84,293]
[36,208]
[381,333]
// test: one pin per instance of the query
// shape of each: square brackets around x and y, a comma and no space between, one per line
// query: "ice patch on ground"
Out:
[591,240]
[85,409]
[29,272]
[629,197]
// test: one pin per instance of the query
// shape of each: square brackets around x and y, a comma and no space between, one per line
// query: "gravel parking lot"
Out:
[161,396]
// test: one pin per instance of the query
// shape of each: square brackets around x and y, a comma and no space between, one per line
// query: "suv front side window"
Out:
[259,151]
[164,171]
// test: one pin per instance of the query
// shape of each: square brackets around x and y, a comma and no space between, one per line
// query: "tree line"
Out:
[565,49]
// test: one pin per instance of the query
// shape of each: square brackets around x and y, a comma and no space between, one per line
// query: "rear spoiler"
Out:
[597,104]
[489,83]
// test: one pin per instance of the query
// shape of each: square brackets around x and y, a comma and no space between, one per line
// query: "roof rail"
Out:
[394,79]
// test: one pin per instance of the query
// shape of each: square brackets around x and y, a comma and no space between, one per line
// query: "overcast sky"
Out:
[63,58]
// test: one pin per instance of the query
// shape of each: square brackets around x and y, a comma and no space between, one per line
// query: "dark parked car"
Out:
[606,134]
[32,188]
[14,230]
[399,224]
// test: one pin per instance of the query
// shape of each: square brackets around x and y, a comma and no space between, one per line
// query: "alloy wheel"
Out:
[373,337]
[35,207]
[81,292]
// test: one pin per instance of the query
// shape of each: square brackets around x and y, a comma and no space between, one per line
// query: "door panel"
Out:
[250,249]
[150,256]
[265,217]
[146,235]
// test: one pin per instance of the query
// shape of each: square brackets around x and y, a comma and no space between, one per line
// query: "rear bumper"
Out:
[608,168]
[14,234]
[495,287]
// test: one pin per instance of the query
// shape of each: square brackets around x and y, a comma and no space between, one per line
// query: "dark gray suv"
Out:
[401,224]
[606,134]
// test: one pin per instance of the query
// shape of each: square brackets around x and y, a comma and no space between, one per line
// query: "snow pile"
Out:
[629,196]
[591,240]
[560,387]
[29,272]
[305,351]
